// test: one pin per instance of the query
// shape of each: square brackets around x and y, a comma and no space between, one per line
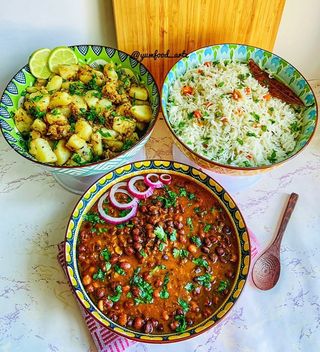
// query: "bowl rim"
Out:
[231,167]
[145,137]
[148,338]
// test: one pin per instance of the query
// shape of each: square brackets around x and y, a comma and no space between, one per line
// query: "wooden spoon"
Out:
[266,270]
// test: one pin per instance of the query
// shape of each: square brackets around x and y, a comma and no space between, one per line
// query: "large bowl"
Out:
[89,54]
[267,60]
[128,171]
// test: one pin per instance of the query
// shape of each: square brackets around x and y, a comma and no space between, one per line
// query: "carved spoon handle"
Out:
[285,219]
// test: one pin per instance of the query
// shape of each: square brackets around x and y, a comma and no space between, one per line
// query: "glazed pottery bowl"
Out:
[87,54]
[243,53]
[127,172]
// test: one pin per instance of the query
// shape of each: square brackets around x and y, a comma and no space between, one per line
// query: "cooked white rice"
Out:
[248,132]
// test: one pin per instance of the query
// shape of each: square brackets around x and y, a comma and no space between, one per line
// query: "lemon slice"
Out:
[61,56]
[38,63]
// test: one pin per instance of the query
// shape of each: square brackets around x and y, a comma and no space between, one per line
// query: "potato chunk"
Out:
[41,150]
[83,129]
[54,83]
[62,152]
[124,125]
[68,71]
[39,126]
[110,72]
[142,113]
[75,142]
[103,104]
[107,134]
[115,146]
[138,93]
[77,104]
[23,120]
[60,99]
[96,141]
[55,117]
[91,98]
[39,100]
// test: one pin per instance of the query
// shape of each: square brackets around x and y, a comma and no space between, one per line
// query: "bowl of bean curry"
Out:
[157,251]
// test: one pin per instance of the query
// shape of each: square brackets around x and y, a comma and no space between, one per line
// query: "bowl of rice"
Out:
[227,120]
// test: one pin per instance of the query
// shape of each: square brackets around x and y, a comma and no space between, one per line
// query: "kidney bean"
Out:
[229,274]
[179,311]
[171,209]
[189,321]
[136,231]
[156,293]
[135,291]
[135,221]
[223,260]
[126,288]
[114,258]
[146,275]
[137,323]
[113,317]
[125,265]
[90,288]
[123,318]
[129,251]
[143,209]
[213,257]
[108,304]
[174,325]
[182,239]
[137,246]
[220,251]
[149,227]
[158,283]
[154,322]
[86,280]
[214,239]
[100,292]
[205,250]
[82,248]
[192,248]
[148,328]
[169,224]
[160,327]
[194,307]
[207,242]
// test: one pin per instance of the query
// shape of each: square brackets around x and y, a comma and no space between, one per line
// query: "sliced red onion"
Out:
[116,189]
[165,178]
[115,220]
[156,184]
[135,192]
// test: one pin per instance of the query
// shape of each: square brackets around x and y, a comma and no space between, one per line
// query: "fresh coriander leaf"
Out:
[182,323]
[99,275]
[200,262]
[264,128]
[106,255]
[184,305]
[157,268]
[189,286]
[108,266]
[182,192]
[161,246]
[207,228]
[196,240]
[127,144]
[189,223]
[119,270]
[54,146]
[251,134]
[240,141]
[204,280]
[173,235]
[93,218]
[182,253]
[191,196]
[143,253]
[272,157]
[160,233]
[223,285]
[117,296]
[164,294]
[145,289]
[105,134]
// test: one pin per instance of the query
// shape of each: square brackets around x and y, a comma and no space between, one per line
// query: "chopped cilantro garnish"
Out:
[127,144]
[182,323]
[255,116]
[251,134]
[189,223]
[117,296]
[157,268]
[173,235]
[196,240]
[145,289]
[94,218]
[54,145]
[240,141]
[184,305]
[182,192]
[204,280]
[160,233]
[99,275]
[264,128]
[105,134]
[207,228]
[200,262]
[119,270]
[223,285]
[36,98]
[36,112]
[272,157]
[182,253]
[106,255]
[143,253]
[189,286]
[164,294]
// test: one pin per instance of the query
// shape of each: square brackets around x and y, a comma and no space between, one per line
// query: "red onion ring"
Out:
[115,189]
[115,220]
[134,191]
[165,178]
[156,184]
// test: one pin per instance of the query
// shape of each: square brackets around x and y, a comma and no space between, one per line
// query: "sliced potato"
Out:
[39,100]
[75,142]
[78,104]
[124,125]
[68,71]
[138,93]
[65,110]
[55,117]
[103,104]
[62,152]
[39,126]
[60,99]
[41,150]
[142,113]
[23,120]
[92,98]
[83,129]
[54,83]
[96,141]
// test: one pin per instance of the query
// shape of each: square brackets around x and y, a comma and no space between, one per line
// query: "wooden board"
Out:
[185,25]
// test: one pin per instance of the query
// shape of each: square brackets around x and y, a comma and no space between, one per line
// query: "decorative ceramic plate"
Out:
[280,69]
[144,167]
[92,55]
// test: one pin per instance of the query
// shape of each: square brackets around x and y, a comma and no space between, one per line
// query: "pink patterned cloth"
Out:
[104,339]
